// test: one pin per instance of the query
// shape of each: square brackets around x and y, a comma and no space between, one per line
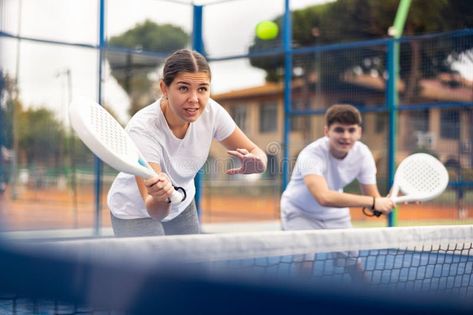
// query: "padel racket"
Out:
[107,139]
[420,177]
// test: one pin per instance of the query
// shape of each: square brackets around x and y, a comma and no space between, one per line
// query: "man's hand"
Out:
[381,205]
[384,205]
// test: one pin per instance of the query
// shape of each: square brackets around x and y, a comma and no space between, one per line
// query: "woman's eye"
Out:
[183,88]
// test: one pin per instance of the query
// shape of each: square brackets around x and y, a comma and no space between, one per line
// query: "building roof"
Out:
[437,89]
[266,89]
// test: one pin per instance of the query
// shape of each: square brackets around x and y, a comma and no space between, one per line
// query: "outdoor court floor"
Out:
[50,211]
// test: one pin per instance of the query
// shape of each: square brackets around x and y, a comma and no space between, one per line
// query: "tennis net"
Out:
[295,269]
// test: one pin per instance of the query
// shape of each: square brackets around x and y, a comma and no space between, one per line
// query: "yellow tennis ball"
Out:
[267,30]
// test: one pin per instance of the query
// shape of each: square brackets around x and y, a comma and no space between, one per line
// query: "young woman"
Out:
[174,134]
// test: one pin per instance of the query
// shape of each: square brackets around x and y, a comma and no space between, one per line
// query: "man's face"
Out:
[342,137]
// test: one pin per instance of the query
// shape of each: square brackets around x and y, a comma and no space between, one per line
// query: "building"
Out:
[442,130]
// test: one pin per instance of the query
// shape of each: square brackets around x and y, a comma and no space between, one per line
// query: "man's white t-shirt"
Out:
[316,159]
[180,159]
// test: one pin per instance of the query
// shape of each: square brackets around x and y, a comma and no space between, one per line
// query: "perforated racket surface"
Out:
[107,139]
[420,177]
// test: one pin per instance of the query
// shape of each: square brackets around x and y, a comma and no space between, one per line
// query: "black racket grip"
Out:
[184,193]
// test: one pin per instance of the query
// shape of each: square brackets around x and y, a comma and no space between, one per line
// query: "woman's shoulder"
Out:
[143,117]
[213,105]
[213,110]
[151,109]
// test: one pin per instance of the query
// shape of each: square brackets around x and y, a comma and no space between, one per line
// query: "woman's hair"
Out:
[184,60]
[342,114]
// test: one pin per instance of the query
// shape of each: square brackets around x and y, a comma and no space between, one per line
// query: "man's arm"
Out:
[326,197]
[370,190]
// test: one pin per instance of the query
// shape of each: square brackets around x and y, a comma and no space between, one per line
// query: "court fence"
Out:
[415,94]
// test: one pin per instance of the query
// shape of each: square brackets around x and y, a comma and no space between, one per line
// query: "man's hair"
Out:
[343,114]
[184,60]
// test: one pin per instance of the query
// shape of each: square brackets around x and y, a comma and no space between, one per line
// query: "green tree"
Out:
[7,89]
[132,69]
[41,137]
[353,20]
[3,133]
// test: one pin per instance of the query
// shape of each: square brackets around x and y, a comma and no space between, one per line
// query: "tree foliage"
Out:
[354,20]
[41,136]
[132,70]
[150,36]
[7,87]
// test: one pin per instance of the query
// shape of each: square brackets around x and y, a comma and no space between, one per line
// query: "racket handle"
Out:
[178,195]
[409,198]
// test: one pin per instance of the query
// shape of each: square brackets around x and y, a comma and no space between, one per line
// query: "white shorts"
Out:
[300,221]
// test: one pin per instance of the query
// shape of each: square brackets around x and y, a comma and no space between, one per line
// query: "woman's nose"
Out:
[194,97]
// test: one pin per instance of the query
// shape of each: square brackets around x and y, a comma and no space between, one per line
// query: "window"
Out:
[419,120]
[381,122]
[238,113]
[450,124]
[268,117]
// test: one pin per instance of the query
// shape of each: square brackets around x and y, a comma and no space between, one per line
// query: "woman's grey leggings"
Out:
[185,223]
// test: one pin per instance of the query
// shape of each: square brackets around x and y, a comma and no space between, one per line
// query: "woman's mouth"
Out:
[191,111]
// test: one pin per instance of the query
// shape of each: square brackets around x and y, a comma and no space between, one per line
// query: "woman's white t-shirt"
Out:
[180,159]
[316,159]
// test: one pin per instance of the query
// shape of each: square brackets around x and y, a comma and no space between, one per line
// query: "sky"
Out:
[228,30]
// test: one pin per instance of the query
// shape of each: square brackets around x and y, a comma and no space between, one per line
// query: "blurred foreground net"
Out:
[428,269]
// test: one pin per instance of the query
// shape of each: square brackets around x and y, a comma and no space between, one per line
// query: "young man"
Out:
[314,197]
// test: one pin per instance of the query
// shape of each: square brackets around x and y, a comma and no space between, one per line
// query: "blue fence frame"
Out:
[391,106]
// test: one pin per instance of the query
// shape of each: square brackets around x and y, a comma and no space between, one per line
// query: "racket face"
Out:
[421,177]
[106,137]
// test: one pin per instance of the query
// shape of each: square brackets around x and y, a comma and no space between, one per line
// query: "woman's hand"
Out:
[159,187]
[250,163]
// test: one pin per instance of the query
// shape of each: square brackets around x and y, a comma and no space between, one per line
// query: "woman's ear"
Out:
[325,130]
[164,88]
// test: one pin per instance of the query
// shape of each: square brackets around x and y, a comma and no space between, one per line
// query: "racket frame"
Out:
[133,162]
[410,197]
